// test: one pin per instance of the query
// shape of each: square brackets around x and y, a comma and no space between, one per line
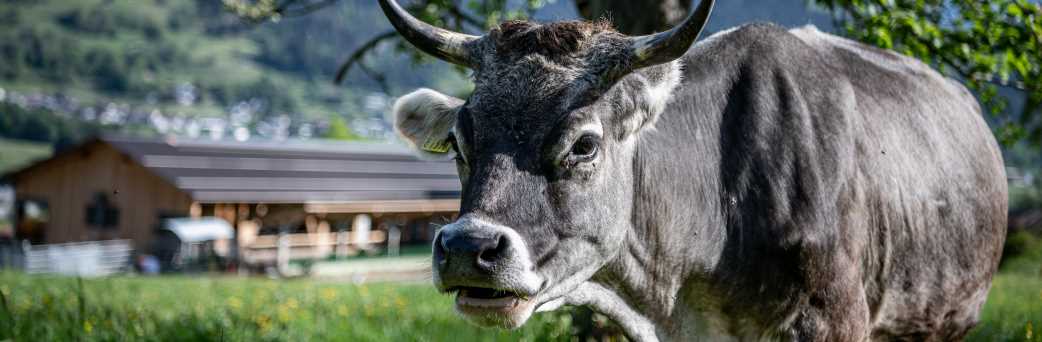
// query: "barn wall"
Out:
[68,185]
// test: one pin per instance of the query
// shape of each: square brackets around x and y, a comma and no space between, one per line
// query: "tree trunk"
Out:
[636,17]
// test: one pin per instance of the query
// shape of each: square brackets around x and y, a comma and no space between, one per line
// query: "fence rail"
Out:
[89,259]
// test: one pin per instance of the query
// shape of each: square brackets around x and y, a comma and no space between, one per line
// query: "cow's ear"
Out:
[656,91]
[424,119]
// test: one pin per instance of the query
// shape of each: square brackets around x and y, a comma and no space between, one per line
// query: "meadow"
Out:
[16,154]
[173,308]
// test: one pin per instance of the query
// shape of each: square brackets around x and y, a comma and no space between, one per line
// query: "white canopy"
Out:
[200,229]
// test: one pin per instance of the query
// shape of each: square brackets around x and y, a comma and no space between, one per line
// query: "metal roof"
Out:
[199,229]
[292,171]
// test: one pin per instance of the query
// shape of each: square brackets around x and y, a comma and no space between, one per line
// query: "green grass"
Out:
[47,308]
[1013,311]
[1014,308]
[16,154]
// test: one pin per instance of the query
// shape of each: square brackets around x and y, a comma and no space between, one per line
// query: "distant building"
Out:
[117,188]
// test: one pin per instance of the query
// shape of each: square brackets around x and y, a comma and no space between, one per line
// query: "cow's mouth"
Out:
[486,297]
[493,307]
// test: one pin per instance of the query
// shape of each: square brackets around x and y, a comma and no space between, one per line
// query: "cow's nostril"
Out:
[494,252]
[502,245]
[439,251]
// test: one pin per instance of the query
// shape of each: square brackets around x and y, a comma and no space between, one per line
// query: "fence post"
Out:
[282,252]
[360,228]
[394,239]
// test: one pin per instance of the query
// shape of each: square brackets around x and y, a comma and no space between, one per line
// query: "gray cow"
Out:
[762,184]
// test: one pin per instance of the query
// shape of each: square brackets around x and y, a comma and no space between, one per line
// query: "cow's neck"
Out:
[675,238]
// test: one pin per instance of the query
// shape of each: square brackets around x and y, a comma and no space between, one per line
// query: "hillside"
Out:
[16,154]
[188,67]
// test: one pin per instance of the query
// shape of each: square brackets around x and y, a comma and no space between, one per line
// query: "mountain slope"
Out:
[133,63]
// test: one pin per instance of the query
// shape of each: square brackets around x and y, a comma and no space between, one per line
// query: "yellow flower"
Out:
[87,327]
[292,303]
[400,302]
[234,302]
[283,313]
[328,294]
[263,322]
[342,310]
[363,291]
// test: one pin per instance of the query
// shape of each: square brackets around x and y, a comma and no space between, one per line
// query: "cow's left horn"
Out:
[667,46]
[441,43]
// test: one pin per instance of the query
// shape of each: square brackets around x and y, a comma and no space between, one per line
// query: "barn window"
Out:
[32,217]
[101,214]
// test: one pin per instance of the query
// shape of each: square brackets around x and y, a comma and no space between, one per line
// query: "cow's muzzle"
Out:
[489,269]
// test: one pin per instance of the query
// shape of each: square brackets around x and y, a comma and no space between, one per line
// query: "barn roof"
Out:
[289,171]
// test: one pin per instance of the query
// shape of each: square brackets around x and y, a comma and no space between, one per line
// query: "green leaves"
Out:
[987,45]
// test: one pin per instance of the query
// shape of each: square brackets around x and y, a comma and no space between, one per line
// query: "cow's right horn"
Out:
[667,46]
[441,43]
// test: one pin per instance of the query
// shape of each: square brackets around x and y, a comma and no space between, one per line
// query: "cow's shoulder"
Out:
[759,43]
[783,114]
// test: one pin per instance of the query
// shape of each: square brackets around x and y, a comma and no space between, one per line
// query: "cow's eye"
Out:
[585,148]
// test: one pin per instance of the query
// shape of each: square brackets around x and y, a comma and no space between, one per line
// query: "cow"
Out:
[764,183]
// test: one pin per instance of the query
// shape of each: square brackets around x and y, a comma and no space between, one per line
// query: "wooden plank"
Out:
[402,206]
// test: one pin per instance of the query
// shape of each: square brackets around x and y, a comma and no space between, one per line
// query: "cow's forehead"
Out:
[530,76]
[524,98]
[523,80]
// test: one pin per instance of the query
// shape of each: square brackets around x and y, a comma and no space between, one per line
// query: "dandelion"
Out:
[363,291]
[234,302]
[328,294]
[400,302]
[292,303]
[283,314]
[263,322]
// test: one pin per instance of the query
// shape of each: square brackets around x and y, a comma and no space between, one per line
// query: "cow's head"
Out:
[544,147]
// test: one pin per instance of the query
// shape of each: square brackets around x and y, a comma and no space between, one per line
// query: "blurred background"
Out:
[203,169]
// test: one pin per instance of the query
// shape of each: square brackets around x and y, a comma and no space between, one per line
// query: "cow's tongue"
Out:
[484,297]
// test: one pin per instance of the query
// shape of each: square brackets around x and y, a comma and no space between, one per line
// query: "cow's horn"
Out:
[441,43]
[667,46]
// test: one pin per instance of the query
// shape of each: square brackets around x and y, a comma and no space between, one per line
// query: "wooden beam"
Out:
[401,206]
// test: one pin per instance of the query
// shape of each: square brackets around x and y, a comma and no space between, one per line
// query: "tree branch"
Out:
[968,75]
[359,53]
[469,19]
[285,11]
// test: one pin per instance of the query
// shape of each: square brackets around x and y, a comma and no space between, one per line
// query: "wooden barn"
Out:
[321,193]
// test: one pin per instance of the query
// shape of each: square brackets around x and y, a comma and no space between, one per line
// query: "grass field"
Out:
[48,308]
[15,154]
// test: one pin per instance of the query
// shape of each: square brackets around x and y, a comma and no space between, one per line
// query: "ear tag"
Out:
[437,146]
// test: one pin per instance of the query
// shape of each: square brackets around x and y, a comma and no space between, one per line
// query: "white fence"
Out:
[89,259]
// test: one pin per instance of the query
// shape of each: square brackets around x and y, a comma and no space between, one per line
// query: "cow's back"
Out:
[929,185]
[829,158]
